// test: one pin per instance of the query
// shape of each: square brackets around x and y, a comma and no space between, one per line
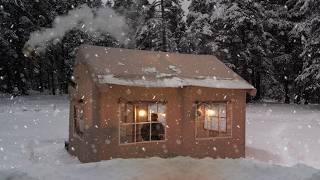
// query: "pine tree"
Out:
[162,26]
[284,52]
[254,37]
[133,11]
[46,71]
[306,14]
[232,30]
[15,24]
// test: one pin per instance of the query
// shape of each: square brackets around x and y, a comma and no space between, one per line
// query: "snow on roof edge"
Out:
[175,82]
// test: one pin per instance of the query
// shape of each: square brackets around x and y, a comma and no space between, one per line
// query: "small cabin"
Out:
[134,104]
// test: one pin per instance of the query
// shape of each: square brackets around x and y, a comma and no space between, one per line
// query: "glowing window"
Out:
[212,120]
[142,122]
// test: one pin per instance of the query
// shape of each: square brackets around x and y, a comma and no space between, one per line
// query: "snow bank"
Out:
[284,134]
[33,130]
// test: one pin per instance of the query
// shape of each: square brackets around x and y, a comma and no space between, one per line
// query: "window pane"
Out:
[211,117]
[147,122]
[215,124]
[127,113]
[161,108]
[223,110]
[122,112]
[162,114]
[141,111]
[201,131]
[207,123]
[127,133]
[153,108]
[223,125]
[212,110]
[157,131]
[143,132]
[78,120]
[212,121]
[201,111]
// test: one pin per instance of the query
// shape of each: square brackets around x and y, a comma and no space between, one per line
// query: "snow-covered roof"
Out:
[158,69]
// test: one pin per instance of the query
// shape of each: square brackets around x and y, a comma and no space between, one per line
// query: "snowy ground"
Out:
[284,134]
[33,130]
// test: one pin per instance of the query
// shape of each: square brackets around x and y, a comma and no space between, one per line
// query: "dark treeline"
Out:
[273,44]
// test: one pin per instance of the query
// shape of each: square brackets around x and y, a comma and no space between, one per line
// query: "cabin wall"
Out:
[86,89]
[219,147]
[109,124]
[104,141]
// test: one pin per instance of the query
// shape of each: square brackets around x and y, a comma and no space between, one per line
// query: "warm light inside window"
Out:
[142,122]
[212,121]
[142,113]
[211,112]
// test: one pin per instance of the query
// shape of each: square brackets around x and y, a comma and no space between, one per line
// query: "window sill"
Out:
[213,138]
[143,142]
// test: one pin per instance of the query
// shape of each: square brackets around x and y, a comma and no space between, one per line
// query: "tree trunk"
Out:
[164,39]
[256,76]
[306,97]
[257,83]
[8,79]
[40,75]
[52,73]
[64,75]
[286,90]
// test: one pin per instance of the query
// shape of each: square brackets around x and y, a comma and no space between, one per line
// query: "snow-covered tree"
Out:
[162,26]
[283,52]
[17,20]
[133,11]
[15,23]
[306,14]
[233,30]
[259,39]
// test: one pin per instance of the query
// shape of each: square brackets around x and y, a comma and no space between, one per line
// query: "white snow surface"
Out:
[283,143]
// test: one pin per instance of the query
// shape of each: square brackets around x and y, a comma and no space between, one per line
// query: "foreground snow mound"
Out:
[14,175]
[33,130]
[162,169]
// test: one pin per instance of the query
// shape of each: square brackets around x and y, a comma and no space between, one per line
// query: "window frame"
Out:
[228,117]
[135,123]
[78,133]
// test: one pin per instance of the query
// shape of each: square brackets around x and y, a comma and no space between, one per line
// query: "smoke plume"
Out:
[102,20]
